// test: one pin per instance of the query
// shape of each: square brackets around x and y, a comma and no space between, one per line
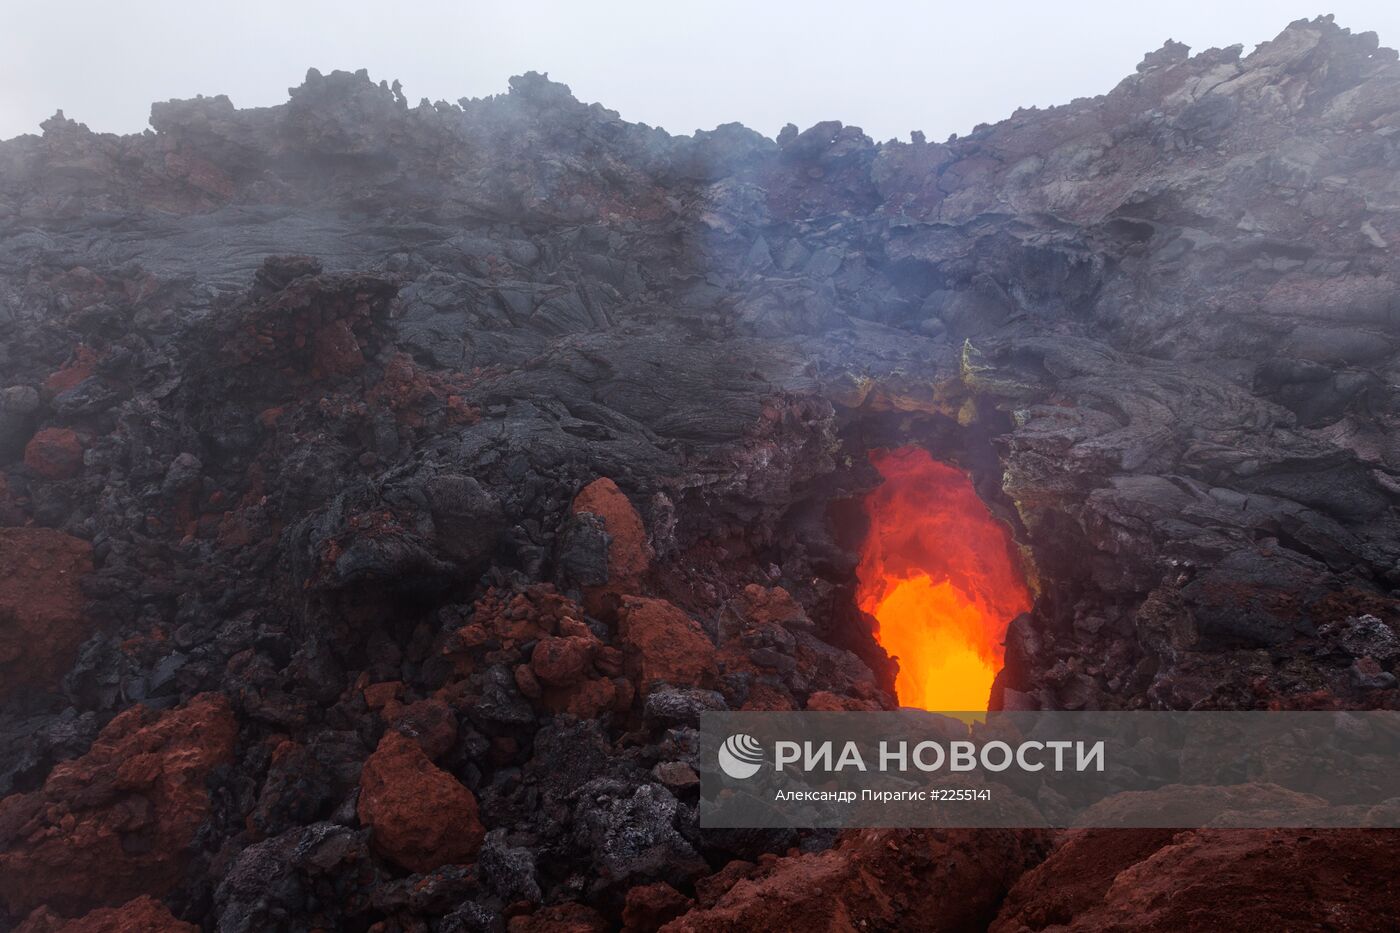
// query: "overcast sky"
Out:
[889,67]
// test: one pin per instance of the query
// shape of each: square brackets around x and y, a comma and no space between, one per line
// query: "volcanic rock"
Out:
[1215,879]
[771,605]
[562,662]
[603,507]
[140,915]
[677,776]
[663,645]
[420,817]
[431,723]
[41,605]
[115,823]
[18,405]
[297,787]
[321,872]
[649,906]
[508,869]
[635,838]
[54,453]
[875,879]
[561,918]
[680,706]
[629,555]
[344,373]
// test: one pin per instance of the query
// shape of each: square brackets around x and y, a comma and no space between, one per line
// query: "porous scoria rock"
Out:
[1228,880]
[562,918]
[649,906]
[55,453]
[114,823]
[561,662]
[72,373]
[763,605]
[628,552]
[875,879]
[421,817]
[664,645]
[140,915]
[573,673]
[41,618]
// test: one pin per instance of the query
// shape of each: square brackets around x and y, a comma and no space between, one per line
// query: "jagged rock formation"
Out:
[526,434]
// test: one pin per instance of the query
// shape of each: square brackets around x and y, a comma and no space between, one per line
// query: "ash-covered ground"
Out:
[386,489]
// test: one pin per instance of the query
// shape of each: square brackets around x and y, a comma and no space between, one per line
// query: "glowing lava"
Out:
[939,573]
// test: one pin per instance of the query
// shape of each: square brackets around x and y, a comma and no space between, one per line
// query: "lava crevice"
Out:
[941,577]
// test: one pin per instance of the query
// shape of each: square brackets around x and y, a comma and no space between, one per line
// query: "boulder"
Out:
[115,823]
[41,606]
[54,453]
[139,915]
[649,906]
[420,816]
[562,662]
[629,554]
[1275,879]
[875,879]
[663,645]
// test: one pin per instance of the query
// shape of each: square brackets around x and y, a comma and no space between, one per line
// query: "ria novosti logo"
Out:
[740,756]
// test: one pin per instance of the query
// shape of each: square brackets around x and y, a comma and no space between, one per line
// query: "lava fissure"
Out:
[939,574]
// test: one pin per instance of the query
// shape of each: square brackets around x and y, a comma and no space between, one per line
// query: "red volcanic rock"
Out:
[335,351]
[826,701]
[379,695]
[651,905]
[629,555]
[80,367]
[569,671]
[1166,880]
[664,645]
[421,816]
[875,879]
[710,889]
[589,698]
[41,618]
[142,915]
[114,823]
[561,918]
[762,605]
[513,618]
[54,453]
[1077,875]
[408,389]
[768,699]
[560,662]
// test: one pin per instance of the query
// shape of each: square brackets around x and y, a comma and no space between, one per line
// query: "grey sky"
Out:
[886,66]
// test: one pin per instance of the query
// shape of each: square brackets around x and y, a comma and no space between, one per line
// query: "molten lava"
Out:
[939,574]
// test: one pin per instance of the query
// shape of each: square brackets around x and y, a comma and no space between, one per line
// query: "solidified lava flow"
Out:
[938,573]
[388,491]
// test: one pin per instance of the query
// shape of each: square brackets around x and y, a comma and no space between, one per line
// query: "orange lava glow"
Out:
[939,574]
